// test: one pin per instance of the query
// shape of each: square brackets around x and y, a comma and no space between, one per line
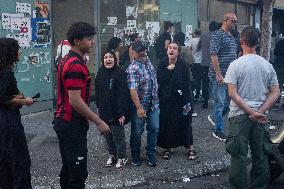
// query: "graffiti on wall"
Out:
[28,22]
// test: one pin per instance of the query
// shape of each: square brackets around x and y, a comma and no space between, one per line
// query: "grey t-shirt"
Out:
[252,75]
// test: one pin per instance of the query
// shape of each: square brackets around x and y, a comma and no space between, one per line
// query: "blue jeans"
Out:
[137,128]
[221,103]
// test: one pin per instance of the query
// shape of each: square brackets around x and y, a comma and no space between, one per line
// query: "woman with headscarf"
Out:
[175,103]
[113,103]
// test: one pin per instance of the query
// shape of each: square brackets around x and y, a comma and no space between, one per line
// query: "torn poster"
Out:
[42,9]
[188,34]
[6,20]
[41,33]
[22,24]
[131,24]
[23,8]
[153,29]
[23,39]
[131,12]
[34,58]
[112,21]
[47,77]
[118,33]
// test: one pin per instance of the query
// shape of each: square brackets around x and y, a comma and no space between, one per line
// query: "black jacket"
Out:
[112,94]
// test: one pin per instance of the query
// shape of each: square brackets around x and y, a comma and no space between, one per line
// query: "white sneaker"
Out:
[111,161]
[211,120]
[121,163]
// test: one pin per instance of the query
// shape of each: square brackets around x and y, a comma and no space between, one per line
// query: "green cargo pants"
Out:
[243,131]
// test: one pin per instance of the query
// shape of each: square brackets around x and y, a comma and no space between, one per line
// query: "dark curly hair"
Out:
[113,43]
[180,38]
[79,30]
[9,49]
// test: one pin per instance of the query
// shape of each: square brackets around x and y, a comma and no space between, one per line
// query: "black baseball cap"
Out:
[138,46]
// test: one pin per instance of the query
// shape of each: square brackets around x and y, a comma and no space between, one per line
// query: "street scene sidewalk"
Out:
[46,160]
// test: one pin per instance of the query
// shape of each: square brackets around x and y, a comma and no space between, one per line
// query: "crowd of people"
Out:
[128,88]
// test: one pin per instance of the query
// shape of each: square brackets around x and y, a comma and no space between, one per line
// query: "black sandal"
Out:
[167,154]
[191,154]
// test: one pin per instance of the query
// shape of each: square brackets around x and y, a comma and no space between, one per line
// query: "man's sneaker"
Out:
[111,161]
[152,161]
[121,163]
[219,135]
[136,161]
[211,120]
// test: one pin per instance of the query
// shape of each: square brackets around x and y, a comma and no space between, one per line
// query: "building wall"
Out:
[183,13]
[214,10]
[33,71]
[66,12]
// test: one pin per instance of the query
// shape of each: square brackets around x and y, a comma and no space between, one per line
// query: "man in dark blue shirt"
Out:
[223,51]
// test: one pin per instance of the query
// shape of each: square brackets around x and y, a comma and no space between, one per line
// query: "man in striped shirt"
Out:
[223,50]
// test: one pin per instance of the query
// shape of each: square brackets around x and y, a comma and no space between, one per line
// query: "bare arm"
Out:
[253,115]
[16,101]
[134,96]
[272,97]
[216,68]
[82,108]
[238,100]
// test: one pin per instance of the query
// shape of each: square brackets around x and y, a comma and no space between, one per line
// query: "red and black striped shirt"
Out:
[73,74]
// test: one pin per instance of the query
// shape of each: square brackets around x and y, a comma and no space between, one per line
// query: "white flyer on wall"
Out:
[111,21]
[6,20]
[131,12]
[153,29]
[131,24]
[21,24]
[118,33]
[22,38]
[153,26]
[23,8]
[188,34]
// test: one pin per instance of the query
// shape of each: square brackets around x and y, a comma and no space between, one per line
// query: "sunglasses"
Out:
[233,21]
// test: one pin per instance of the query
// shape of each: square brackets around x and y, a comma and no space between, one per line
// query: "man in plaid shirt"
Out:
[142,82]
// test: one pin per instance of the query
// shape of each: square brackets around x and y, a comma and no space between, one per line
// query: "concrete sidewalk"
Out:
[46,162]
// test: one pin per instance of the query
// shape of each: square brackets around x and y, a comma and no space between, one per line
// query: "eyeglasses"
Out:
[233,21]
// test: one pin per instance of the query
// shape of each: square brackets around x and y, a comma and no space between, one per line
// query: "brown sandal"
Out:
[191,154]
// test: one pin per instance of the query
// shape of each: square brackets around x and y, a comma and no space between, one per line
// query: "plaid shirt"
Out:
[142,77]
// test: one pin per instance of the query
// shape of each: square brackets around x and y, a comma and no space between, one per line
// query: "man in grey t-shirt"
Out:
[253,88]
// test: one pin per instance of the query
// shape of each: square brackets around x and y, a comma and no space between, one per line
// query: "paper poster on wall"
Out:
[42,9]
[23,8]
[112,21]
[41,34]
[23,39]
[117,32]
[153,29]
[131,12]
[131,24]
[34,58]
[22,24]
[6,20]
[188,34]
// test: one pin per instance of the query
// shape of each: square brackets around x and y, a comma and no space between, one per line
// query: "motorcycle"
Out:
[276,159]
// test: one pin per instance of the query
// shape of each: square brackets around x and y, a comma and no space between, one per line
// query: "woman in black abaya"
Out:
[175,103]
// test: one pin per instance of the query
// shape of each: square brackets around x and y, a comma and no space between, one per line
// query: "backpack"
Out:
[59,57]
[159,46]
